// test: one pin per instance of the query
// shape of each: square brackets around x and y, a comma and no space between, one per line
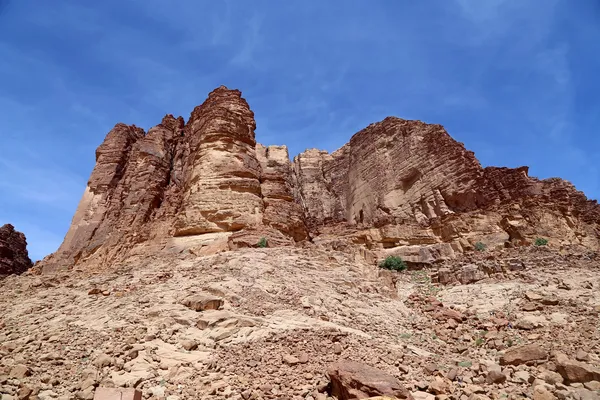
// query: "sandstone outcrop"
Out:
[409,188]
[14,258]
[397,188]
[181,179]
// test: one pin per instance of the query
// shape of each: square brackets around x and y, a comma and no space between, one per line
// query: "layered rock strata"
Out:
[14,258]
[398,187]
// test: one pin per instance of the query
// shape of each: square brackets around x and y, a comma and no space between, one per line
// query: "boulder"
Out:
[575,371]
[352,380]
[470,274]
[105,393]
[523,355]
[202,302]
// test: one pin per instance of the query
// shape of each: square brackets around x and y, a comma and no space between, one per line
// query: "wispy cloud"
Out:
[246,54]
[50,188]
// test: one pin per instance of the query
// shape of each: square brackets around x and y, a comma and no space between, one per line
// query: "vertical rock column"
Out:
[222,184]
[281,210]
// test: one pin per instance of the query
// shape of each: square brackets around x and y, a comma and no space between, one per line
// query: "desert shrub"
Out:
[541,242]
[262,243]
[479,246]
[393,263]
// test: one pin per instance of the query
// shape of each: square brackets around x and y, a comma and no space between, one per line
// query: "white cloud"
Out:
[41,185]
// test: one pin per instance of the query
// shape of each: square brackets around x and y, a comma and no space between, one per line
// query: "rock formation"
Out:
[14,258]
[409,187]
[398,187]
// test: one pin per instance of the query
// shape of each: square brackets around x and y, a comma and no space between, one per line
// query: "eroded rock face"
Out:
[222,190]
[14,258]
[183,179]
[397,188]
[281,211]
[409,187]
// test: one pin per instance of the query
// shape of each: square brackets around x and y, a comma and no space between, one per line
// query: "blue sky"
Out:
[515,80]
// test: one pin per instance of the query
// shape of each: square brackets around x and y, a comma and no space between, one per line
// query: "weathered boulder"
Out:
[105,393]
[202,302]
[523,355]
[575,371]
[14,258]
[352,380]
[470,274]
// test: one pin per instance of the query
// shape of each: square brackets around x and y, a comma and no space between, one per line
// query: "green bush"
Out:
[479,246]
[541,242]
[262,243]
[393,263]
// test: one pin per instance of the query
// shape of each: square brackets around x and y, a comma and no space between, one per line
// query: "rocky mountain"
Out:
[161,290]
[398,187]
[14,258]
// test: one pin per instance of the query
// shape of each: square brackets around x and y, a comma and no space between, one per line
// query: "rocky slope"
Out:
[14,258]
[290,323]
[398,187]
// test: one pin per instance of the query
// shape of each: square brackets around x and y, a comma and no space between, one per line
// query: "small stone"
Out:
[202,302]
[89,382]
[422,396]
[24,393]
[19,371]
[541,393]
[189,345]
[158,391]
[564,286]
[266,388]
[290,360]
[430,368]
[551,377]
[103,360]
[582,356]
[592,385]
[495,376]
[246,394]
[439,386]
[104,393]
[87,394]
[303,359]
[451,375]
[337,348]
[522,376]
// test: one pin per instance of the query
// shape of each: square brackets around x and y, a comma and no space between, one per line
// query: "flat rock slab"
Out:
[103,393]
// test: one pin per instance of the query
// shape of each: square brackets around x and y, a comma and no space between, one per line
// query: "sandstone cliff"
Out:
[409,187]
[14,258]
[402,187]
